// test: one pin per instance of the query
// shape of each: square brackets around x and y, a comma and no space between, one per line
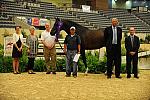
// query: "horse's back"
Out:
[92,39]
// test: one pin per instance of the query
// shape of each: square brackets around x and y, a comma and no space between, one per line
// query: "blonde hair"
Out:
[32,27]
[47,23]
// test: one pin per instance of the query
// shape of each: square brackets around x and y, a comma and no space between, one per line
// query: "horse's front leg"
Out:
[84,61]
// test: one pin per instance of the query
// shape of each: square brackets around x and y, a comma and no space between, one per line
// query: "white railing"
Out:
[8,47]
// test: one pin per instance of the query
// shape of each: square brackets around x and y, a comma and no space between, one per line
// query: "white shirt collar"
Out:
[72,35]
[114,27]
[132,36]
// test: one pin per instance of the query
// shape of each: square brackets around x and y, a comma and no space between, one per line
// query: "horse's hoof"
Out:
[86,74]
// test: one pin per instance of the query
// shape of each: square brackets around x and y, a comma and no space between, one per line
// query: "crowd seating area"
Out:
[46,10]
[17,9]
[6,22]
[128,20]
[95,19]
[144,16]
[100,19]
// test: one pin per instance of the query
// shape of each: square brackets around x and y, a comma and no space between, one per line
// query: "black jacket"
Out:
[108,35]
[128,45]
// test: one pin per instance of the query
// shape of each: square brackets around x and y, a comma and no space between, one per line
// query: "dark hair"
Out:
[17,26]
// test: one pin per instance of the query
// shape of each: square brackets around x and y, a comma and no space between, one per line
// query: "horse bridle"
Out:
[60,23]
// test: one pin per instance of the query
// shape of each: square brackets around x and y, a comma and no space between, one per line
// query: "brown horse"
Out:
[90,39]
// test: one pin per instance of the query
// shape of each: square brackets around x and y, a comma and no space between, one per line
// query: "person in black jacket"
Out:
[132,45]
[113,36]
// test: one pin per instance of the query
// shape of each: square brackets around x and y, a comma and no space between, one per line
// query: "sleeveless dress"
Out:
[15,52]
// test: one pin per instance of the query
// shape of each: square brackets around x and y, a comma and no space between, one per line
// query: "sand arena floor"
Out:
[58,87]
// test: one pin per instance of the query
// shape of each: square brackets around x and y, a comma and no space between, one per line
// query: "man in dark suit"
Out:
[132,45]
[113,36]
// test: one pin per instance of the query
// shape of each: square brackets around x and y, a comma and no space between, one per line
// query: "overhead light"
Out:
[115,0]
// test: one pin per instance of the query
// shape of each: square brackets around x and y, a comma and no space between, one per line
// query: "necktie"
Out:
[114,35]
[132,39]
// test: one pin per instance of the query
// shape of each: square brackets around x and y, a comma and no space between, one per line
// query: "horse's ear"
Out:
[57,19]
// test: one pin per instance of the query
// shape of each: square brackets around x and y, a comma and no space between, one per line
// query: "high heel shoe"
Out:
[14,72]
[18,73]
[31,72]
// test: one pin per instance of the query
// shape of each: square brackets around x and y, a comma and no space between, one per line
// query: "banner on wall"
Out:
[29,21]
[23,19]
[35,21]
[8,45]
[85,8]
[43,21]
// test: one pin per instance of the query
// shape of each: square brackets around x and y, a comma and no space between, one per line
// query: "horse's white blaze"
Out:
[86,72]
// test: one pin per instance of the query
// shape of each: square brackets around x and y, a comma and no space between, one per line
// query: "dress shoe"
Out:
[67,75]
[119,77]
[136,77]
[48,72]
[108,77]
[54,73]
[128,76]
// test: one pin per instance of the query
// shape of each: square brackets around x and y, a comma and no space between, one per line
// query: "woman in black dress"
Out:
[17,49]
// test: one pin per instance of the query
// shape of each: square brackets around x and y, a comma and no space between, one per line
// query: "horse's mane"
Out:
[78,26]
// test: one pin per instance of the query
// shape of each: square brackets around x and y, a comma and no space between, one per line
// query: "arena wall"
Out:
[58,2]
